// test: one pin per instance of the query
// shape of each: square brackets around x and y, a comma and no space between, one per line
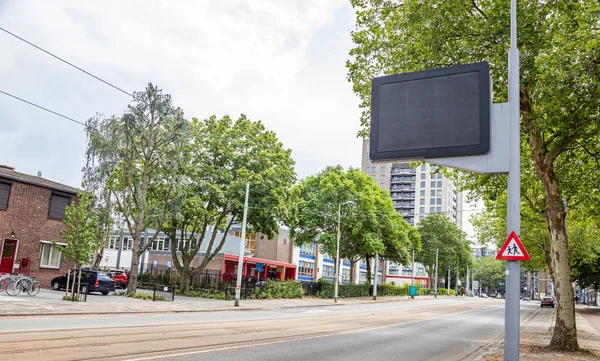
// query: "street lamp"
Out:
[337,251]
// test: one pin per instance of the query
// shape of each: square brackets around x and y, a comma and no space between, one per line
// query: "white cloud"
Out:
[279,61]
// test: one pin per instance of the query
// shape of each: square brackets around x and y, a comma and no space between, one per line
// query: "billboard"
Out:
[433,113]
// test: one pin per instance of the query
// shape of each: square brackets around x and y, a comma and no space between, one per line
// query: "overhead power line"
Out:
[66,62]
[43,108]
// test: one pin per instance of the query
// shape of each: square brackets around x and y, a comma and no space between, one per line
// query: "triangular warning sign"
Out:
[513,249]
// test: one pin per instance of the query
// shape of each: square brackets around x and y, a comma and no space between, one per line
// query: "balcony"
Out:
[403,188]
[404,204]
[404,171]
[403,179]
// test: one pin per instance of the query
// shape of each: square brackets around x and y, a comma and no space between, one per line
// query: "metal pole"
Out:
[412,282]
[467,281]
[337,255]
[435,291]
[448,280]
[512,307]
[456,285]
[375,280]
[238,281]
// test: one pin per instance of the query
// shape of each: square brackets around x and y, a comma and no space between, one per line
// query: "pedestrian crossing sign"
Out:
[513,249]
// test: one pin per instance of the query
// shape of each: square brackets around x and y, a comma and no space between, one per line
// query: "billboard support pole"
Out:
[513,222]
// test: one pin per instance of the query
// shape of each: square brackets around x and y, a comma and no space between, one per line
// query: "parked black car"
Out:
[91,280]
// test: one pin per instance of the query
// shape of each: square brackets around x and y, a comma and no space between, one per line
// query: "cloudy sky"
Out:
[278,61]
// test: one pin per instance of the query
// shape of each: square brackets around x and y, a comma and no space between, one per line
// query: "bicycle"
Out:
[11,285]
[29,285]
[4,280]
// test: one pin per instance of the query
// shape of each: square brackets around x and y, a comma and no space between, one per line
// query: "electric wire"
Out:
[66,62]
[43,108]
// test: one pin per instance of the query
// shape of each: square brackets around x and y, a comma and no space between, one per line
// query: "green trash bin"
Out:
[412,291]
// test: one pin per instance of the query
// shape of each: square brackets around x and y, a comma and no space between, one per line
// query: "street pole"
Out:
[513,276]
[238,281]
[337,256]
[456,285]
[375,279]
[412,282]
[435,291]
[448,280]
[467,281]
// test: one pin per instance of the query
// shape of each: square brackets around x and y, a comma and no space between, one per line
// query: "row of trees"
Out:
[560,117]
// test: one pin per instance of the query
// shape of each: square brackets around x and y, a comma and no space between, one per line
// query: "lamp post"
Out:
[337,252]
[238,281]
[435,291]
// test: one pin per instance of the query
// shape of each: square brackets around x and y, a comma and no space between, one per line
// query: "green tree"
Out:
[439,232]
[137,157]
[559,94]
[221,156]
[489,272]
[369,224]
[81,233]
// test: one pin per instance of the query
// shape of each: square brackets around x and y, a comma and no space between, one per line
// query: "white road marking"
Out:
[302,338]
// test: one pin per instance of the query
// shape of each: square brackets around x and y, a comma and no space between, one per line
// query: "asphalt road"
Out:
[443,329]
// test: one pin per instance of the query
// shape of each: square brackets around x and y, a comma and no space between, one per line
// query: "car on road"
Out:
[547,302]
[91,281]
[120,277]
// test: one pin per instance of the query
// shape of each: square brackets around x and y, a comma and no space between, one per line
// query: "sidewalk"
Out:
[49,302]
[536,333]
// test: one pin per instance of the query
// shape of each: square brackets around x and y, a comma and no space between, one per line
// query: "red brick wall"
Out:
[27,216]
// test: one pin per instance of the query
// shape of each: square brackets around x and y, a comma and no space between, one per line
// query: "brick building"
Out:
[31,212]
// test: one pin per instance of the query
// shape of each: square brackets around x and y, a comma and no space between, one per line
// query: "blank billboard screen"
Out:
[434,113]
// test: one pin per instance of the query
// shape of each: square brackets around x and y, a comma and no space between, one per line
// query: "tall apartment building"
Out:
[415,192]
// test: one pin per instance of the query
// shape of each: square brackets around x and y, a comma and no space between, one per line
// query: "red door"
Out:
[9,248]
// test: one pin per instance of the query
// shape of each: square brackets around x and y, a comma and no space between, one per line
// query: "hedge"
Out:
[365,290]
[280,289]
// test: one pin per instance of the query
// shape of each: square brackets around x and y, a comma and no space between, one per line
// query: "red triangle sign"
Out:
[513,249]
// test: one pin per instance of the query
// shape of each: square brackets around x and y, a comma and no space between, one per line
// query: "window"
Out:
[432,184]
[345,275]
[113,243]
[50,255]
[423,175]
[374,177]
[432,193]
[431,209]
[308,249]
[158,244]
[58,203]
[328,273]
[382,185]
[127,243]
[362,277]
[439,192]
[422,210]
[382,177]
[439,184]
[432,201]
[4,193]
[423,184]
[374,170]
[438,201]
[368,170]
[422,193]
[422,201]
[423,166]
[382,169]
[394,269]
[438,209]
[439,176]
[305,269]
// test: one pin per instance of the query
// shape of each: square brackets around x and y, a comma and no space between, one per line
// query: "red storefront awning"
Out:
[267,262]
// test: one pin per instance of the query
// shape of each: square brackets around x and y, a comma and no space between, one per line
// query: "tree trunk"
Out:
[184,281]
[135,263]
[565,331]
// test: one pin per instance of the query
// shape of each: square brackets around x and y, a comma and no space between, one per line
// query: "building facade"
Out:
[415,192]
[31,212]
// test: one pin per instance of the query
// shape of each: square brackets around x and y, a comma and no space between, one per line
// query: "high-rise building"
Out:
[415,192]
